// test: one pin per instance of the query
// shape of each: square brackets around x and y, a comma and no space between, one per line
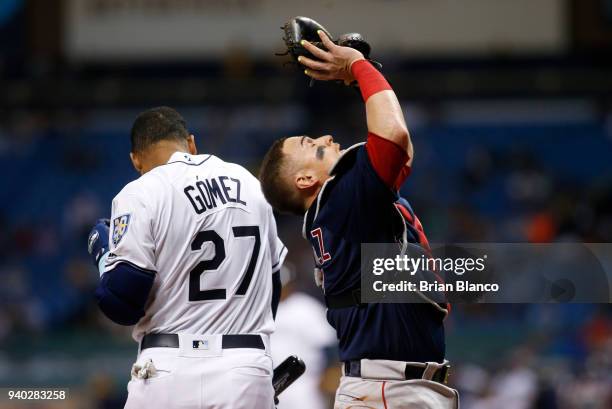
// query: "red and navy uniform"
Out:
[361,204]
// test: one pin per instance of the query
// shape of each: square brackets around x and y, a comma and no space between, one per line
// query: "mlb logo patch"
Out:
[120,228]
[200,344]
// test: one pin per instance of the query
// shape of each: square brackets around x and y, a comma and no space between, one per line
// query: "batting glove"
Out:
[97,243]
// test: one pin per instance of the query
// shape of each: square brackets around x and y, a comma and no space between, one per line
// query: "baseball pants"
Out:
[189,378]
[382,390]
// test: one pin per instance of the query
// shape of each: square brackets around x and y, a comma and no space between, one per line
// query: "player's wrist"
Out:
[98,254]
[101,263]
[359,57]
[370,80]
[349,66]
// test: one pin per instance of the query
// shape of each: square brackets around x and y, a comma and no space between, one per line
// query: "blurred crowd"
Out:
[493,182]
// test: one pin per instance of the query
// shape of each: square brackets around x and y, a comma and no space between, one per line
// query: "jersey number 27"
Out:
[197,294]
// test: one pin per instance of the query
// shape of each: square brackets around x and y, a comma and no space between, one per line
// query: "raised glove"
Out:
[97,242]
[298,29]
[304,28]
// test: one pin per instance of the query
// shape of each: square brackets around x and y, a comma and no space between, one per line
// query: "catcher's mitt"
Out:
[304,28]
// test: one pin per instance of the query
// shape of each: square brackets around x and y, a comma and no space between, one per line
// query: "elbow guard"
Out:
[123,292]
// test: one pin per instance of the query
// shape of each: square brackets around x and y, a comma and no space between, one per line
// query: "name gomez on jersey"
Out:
[204,228]
[205,195]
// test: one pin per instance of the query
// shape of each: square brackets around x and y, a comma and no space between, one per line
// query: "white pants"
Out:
[358,393]
[234,378]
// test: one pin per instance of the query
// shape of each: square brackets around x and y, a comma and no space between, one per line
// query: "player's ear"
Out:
[193,150]
[305,179]
[136,162]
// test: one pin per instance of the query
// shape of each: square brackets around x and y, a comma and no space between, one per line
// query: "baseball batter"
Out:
[191,259]
[393,354]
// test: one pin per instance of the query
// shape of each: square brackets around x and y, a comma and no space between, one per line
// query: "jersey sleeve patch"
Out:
[120,228]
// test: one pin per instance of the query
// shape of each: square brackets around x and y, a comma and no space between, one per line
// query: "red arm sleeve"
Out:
[370,80]
[388,160]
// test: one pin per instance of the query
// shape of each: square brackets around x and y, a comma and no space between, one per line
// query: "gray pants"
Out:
[382,387]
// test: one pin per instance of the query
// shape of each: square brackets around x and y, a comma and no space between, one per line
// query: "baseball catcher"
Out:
[392,354]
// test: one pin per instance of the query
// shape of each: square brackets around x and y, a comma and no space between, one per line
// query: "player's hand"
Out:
[97,242]
[333,64]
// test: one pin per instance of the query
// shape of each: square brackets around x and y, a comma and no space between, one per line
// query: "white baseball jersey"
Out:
[204,227]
